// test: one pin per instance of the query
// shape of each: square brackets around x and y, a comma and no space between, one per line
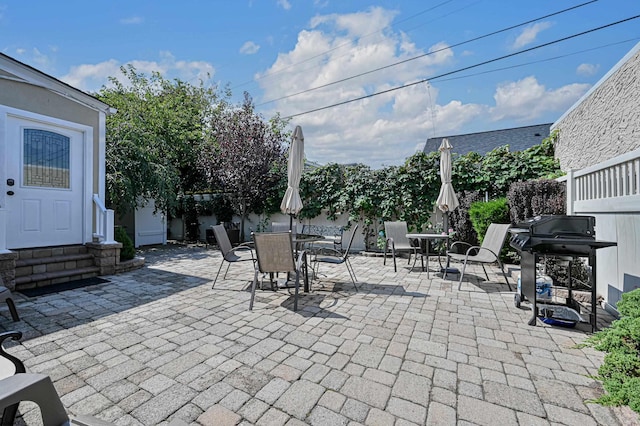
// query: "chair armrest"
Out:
[480,249]
[241,249]
[301,255]
[332,252]
[390,240]
[461,243]
[15,335]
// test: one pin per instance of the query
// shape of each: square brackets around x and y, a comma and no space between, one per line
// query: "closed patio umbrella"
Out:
[447,200]
[291,202]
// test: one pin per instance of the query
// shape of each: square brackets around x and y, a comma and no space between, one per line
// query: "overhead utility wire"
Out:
[333,58]
[344,44]
[427,54]
[465,68]
[524,64]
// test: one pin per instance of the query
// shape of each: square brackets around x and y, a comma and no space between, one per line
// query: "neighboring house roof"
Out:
[17,71]
[518,139]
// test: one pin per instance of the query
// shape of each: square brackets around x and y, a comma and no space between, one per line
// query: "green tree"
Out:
[153,140]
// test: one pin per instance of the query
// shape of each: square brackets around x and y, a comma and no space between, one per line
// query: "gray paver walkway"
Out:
[158,343]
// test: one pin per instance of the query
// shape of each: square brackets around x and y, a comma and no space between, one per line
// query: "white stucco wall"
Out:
[601,129]
[605,123]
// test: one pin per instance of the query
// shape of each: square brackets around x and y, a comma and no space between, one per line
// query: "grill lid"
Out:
[558,226]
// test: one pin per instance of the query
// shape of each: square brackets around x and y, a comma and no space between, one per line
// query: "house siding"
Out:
[604,124]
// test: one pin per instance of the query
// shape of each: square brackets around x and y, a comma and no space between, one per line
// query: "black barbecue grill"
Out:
[557,236]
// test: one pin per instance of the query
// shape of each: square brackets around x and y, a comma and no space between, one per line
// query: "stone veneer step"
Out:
[55,277]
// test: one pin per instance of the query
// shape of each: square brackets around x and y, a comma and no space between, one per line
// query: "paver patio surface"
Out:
[158,344]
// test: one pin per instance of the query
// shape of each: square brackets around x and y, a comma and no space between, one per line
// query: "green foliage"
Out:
[127,251]
[320,189]
[497,170]
[409,192]
[620,371]
[483,214]
[152,142]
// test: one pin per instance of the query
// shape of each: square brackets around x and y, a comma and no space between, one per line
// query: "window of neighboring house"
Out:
[45,157]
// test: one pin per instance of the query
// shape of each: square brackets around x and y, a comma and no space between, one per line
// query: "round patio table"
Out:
[299,241]
[425,250]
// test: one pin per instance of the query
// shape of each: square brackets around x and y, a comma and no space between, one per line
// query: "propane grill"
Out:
[555,235]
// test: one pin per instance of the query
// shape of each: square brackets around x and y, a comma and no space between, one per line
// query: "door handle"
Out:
[10,192]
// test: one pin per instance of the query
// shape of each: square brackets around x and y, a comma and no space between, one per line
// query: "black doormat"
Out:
[56,288]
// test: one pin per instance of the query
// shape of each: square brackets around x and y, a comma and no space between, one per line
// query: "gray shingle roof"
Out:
[518,139]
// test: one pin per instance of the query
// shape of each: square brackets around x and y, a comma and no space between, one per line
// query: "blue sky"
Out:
[276,48]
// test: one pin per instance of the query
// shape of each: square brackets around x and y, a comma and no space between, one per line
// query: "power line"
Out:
[554,58]
[428,53]
[464,69]
[341,45]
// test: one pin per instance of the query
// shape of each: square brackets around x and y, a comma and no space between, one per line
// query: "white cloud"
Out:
[132,20]
[587,69]
[284,4]
[526,99]
[91,77]
[529,34]
[249,48]
[41,60]
[384,129]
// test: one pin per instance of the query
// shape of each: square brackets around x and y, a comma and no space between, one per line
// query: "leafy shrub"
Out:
[128,251]
[459,219]
[483,214]
[536,197]
[620,371]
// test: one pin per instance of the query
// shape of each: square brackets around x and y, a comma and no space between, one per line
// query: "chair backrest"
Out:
[274,251]
[284,227]
[495,237]
[353,234]
[398,231]
[223,239]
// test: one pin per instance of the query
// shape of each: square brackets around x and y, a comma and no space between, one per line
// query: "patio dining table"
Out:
[425,248]
[299,241]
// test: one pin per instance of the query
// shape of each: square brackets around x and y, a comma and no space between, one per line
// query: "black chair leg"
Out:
[12,309]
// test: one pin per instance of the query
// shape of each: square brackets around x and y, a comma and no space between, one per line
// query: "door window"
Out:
[45,159]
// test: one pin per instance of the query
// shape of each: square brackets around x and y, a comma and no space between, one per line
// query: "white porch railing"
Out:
[3,231]
[104,223]
[611,186]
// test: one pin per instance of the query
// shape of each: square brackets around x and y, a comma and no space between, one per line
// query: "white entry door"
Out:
[45,184]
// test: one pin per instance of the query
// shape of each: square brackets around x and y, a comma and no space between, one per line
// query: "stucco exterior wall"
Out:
[41,101]
[604,124]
